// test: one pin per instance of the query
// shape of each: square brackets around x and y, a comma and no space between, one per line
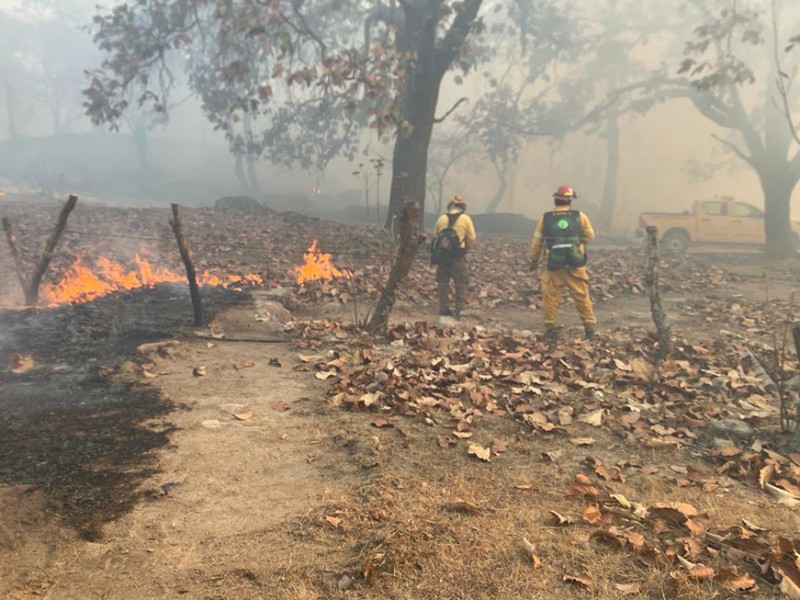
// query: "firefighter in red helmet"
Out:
[564,233]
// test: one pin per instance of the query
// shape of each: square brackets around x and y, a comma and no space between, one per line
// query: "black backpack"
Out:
[446,246]
[563,234]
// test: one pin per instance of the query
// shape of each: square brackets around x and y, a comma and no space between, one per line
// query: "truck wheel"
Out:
[675,242]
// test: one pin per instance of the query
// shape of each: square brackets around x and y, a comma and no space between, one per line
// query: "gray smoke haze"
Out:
[668,156]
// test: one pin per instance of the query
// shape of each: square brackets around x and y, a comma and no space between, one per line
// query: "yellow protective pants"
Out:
[577,282]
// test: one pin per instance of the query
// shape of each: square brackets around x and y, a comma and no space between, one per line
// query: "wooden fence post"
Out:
[191,275]
[12,244]
[663,334]
[32,292]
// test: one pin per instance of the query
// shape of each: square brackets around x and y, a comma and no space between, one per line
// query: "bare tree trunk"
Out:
[608,204]
[663,334]
[191,275]
[409,244]
[12,244]
[252,175]
[239,169]
[778,183]
[502,176]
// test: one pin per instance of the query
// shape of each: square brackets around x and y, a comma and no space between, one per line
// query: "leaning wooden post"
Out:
[12,244]
[656,308]
[796,338]
[32,292]
[191,275]
[404,258]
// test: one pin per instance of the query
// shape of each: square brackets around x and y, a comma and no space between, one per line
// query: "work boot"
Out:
[551,334]
[445,312]
[588,332]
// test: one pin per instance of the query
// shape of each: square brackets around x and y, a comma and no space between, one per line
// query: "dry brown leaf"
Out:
[783,496]
[369,398]
[765,475]
[480,452]
[379,422]
[561,519]
[199,371]
[735,582]
[552,456]
[621,500]
[594,418]
[280,406]
[464,435]
[697,475]
[696,570]
[445,441]
[752,527]
[523,486]
[785,484]
[335,521]
[592,514]
[663,510]
[310,358]
[464,506]
[323,375]
[644,370]
[628,589]
[530,551]
[499,446]
[609,473]
[585,441]
[245,364]
[790,588]
[577,490]
[243,416]
[585,582]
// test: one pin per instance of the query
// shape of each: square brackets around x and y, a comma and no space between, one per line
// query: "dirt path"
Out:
[225,483]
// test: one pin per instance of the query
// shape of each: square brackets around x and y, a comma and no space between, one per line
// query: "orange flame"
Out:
[80,283]
[318,266]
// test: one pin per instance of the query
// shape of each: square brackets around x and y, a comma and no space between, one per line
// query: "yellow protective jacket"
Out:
[537,243]
[463,227]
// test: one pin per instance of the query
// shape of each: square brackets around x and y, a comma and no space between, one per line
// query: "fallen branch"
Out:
[32,291]
[12,244]
[191,275]
[663,333]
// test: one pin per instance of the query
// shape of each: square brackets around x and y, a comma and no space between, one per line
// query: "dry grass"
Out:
[408,531]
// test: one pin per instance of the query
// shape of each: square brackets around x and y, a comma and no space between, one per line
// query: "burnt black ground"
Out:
[67,427]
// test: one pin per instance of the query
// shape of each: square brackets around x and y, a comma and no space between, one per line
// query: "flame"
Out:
[318,266]
[81,283]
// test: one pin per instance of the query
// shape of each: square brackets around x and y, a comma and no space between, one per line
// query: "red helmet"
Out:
[565,192]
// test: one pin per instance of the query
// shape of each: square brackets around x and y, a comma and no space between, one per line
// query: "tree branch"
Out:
[735,149]
[458,103]
[446,50]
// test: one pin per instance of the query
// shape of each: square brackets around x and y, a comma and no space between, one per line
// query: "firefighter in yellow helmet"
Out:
[454,234]
[564,232]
